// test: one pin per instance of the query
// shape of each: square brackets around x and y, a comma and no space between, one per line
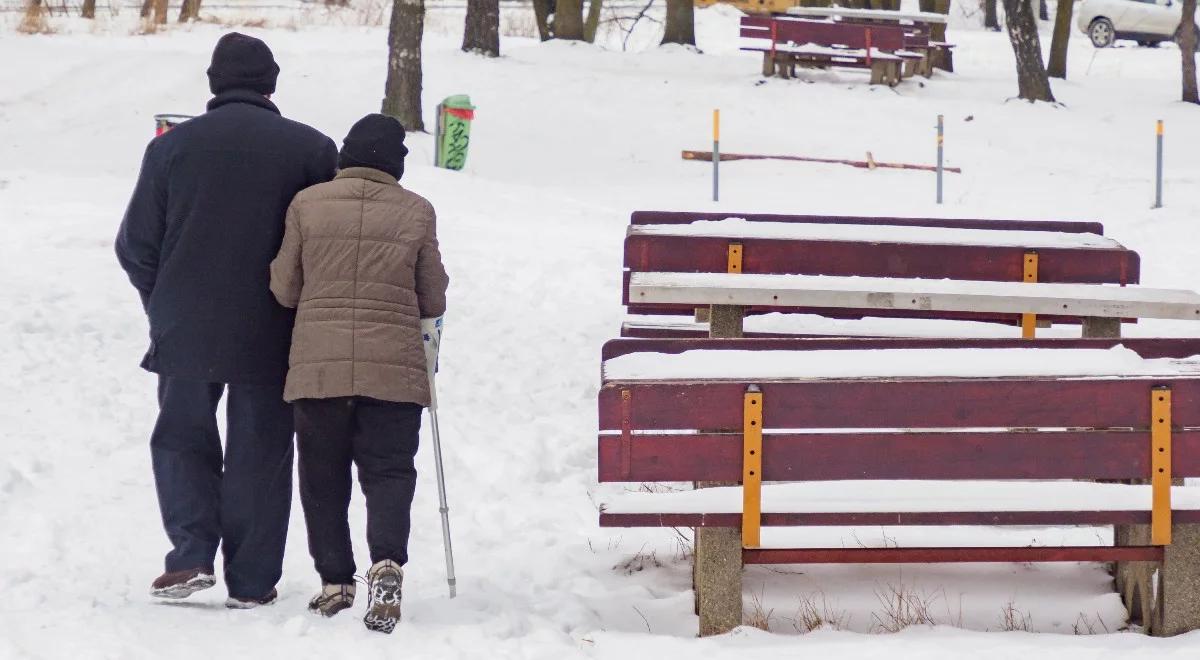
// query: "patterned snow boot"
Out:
[383,609]
[332,598]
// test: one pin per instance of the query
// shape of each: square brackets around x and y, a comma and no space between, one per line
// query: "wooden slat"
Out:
[949,555]
[896,518]
[899,403]
[1149,348]
[914,455]
[706,254]
[685,217]
[786,291]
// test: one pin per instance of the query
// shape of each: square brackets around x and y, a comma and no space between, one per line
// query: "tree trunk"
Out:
[541,13]
[189,11]
[991,20]
[592,23]
[568,20]
[1043,11]
[160,12]
[1032,82]
[1187,46]
[147,7]
[681,23]
[482,32]
[1062,35]
[937,31]
[88,9]
[402,91]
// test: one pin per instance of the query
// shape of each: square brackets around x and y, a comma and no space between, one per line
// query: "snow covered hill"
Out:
[568,140]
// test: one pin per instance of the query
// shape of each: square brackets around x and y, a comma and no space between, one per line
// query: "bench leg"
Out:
[1101,328]
[1164,599]
[718,579]
[910,68]
[768,69]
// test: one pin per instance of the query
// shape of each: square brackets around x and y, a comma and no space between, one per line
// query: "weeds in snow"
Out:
[811,616]
[758,617]
[639,562]
[1084,625]
[903,606]
[1012,619]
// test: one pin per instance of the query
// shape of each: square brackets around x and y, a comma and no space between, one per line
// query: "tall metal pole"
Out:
[716,155]
[1158,174]
[940,138]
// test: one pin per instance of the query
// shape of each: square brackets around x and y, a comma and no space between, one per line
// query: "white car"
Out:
[1146,21]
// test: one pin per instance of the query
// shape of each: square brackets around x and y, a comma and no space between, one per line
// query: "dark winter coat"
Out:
[360,258]
[205,220]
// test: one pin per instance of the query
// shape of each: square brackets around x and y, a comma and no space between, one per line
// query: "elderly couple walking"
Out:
[251,237]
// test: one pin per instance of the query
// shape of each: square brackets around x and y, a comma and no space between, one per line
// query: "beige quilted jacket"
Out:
[360,263]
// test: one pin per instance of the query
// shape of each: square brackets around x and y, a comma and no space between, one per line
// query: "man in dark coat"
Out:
[204,222]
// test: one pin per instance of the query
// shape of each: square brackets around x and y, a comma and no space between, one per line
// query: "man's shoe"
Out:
[251,603]
[333,598]
[175,585]
[383,583]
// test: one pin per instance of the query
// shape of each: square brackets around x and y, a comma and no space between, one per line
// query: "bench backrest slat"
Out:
[840,456]
[898,404]
[685,217]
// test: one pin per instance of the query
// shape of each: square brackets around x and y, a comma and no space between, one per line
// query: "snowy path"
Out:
[568,141]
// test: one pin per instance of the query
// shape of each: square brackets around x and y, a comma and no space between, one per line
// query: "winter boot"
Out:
[251,603]
[383,609]
[175,585]
[333,598]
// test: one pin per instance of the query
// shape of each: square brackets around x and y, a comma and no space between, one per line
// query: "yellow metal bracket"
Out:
[734,259]
[1160,465]
[752,467]
[1029,321]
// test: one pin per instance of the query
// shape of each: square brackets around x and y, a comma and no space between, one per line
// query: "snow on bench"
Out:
[894,363]
[741,228]
[912,495]
[1083,300]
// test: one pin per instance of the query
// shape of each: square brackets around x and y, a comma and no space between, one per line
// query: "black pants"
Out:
[380,437]
[239,499]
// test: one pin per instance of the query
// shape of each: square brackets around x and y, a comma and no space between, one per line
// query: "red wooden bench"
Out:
[960,249]
[790,42]
[708,411]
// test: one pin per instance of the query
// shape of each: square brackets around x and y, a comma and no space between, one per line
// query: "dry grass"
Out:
[639,562]
[813,616]
[903,606]
[1012,619]
[35,20]
[757,616]
[1085,626]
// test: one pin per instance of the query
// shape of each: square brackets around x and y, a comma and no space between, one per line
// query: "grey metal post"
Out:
[1158,174]
[940,137]
[716,155]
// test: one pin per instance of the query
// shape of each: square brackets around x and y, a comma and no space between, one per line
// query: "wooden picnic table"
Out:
[868,14]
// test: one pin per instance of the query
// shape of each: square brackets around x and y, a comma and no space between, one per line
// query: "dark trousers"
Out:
[380,437]
[239,499]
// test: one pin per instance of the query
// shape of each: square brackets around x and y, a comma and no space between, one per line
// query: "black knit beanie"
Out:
[375,141]
[242,62]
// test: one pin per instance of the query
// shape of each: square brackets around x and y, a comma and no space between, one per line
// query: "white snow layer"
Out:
[858,496]
[568,140]
[894,363]
[741,228]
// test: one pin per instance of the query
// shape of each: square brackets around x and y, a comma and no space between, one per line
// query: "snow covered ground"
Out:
[568,140]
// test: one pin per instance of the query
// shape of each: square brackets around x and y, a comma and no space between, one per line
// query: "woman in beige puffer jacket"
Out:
[360,262]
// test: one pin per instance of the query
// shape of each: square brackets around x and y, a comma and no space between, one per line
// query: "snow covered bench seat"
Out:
[781,245]
[1096,305]
[902,432]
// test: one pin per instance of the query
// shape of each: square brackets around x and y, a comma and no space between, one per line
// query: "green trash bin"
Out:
[454,117]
